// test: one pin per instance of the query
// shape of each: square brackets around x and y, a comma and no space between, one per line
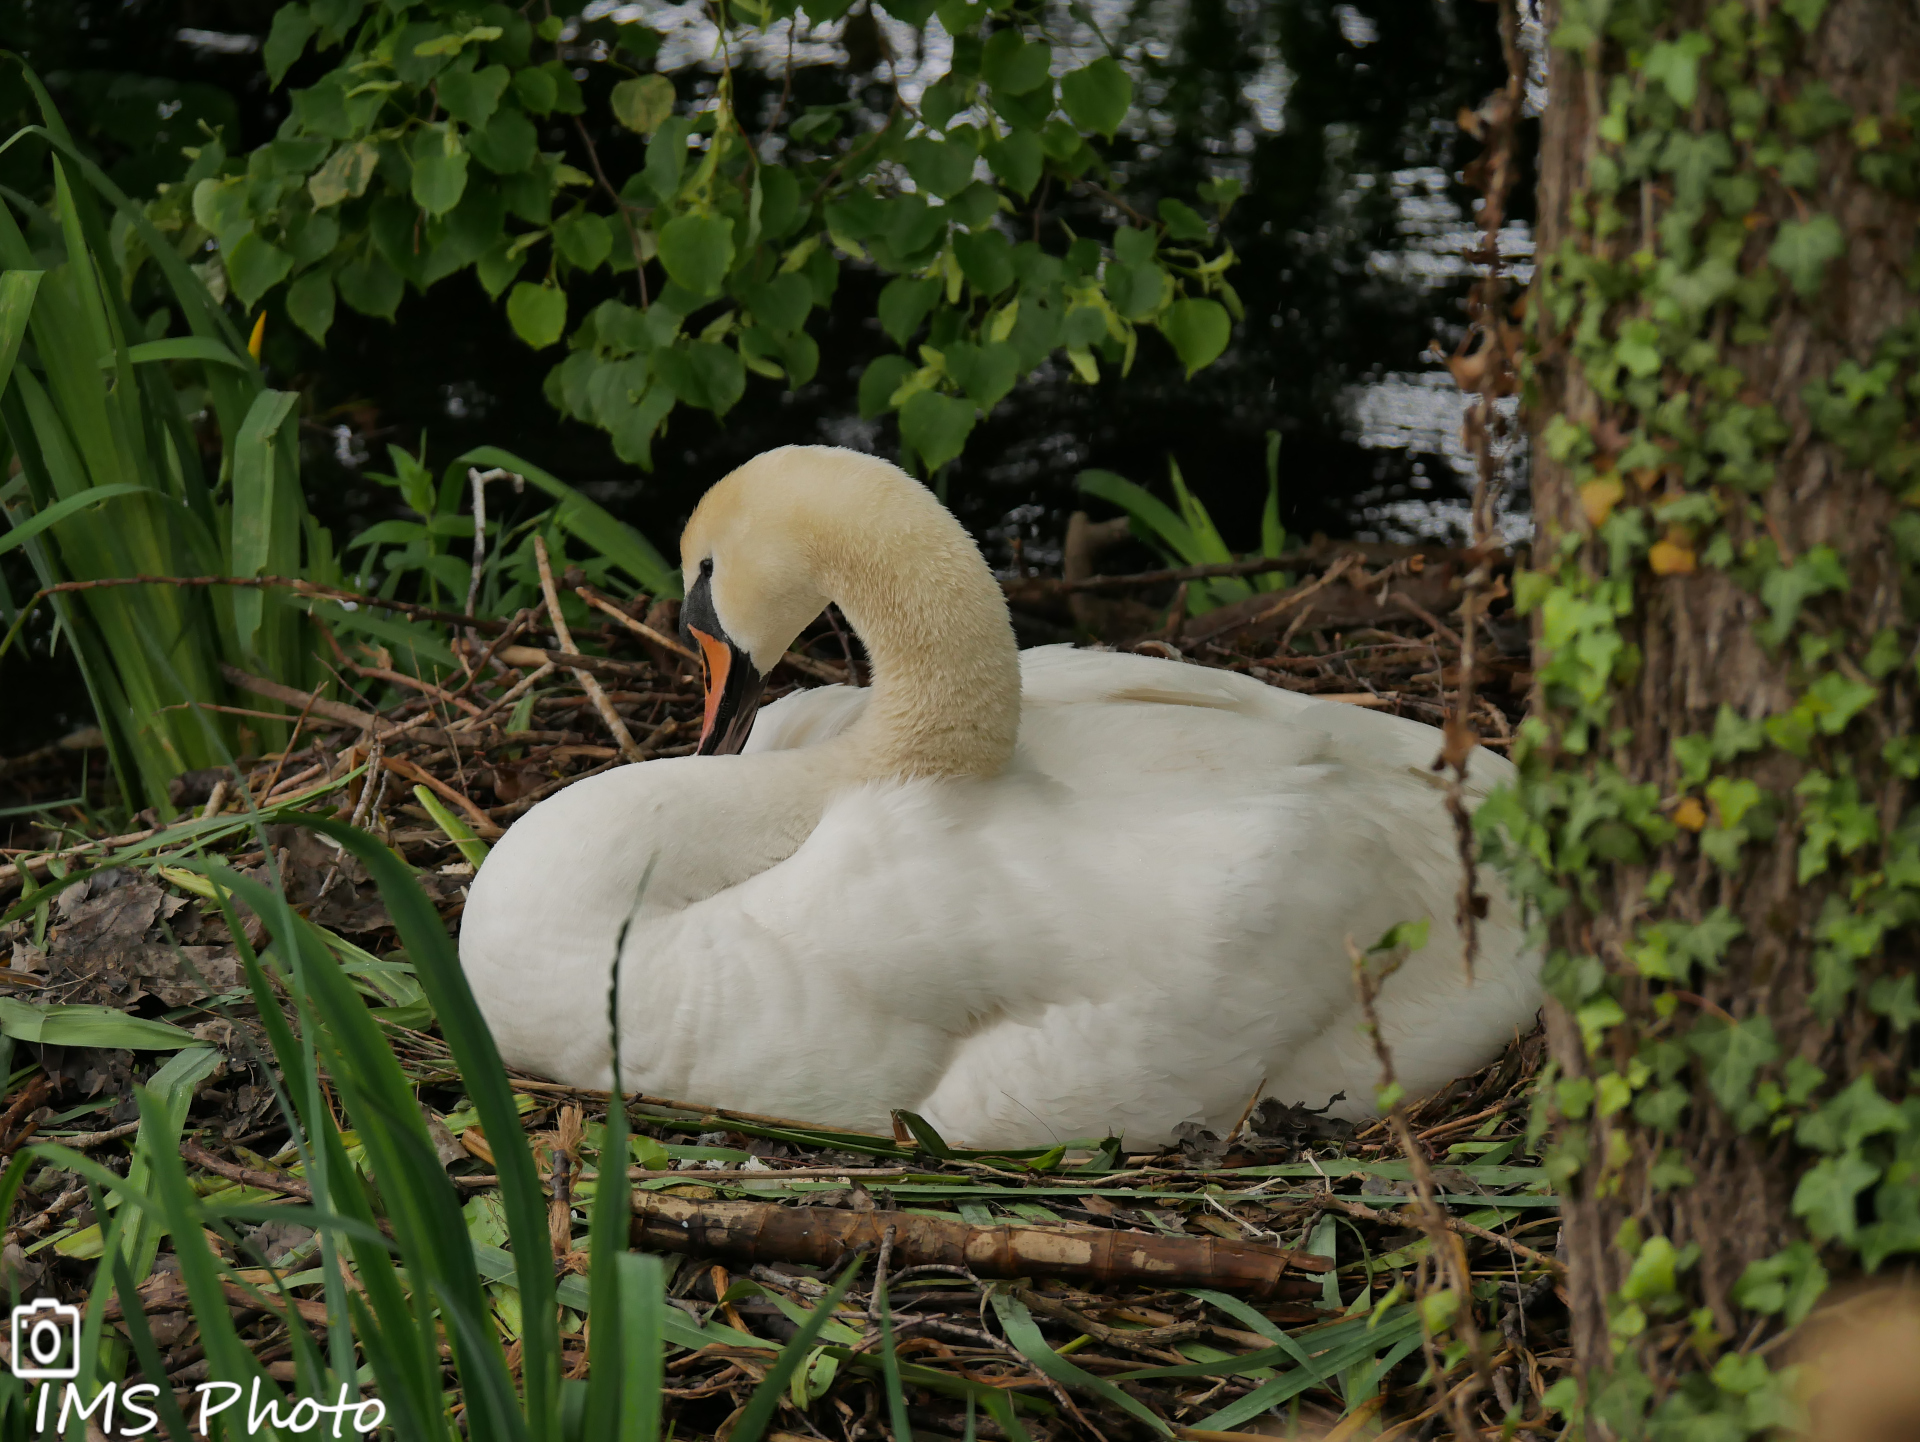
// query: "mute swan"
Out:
[1034,897]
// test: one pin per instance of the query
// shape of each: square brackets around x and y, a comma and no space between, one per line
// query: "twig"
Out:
[1447,1251]
[1458,1224]
[639,628]
[622,737]
[413,773]
[40,1221]
[1257,566]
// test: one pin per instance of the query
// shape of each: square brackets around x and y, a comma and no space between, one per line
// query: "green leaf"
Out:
[1734,1054]
[498,266]
[17,290]
[1676,65]
[1802,249]
[54,514]
[1097,96]
[984,372]
[220,206]
[641,104]
[439,170]
[1012,65]
[936,426]
[1136,290]
[1827,1194]
[1198,330]
[583,238]
[1017,159]
[537,89]
[370,285]
[986,260]
[697,251]
[310,304]
[1182,220]
[940,167]
[538,313]
[904,303]
[883,376]
[293,26]
[181,347]
[507,145]
[720,375]
[1806,12]
[344,175]
[471,96]
[254,267]
[782,303]
[94,1026]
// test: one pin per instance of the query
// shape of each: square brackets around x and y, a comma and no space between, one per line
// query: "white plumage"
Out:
[1125,925]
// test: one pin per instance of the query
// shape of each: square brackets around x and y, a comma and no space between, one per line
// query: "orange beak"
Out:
[732,696]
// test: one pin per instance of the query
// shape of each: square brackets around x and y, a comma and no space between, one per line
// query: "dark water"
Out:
[1337,118]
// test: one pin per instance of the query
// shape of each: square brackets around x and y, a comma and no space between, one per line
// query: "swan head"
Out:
[773,543]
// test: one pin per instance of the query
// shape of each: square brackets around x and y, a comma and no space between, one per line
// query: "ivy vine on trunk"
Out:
[1716,818]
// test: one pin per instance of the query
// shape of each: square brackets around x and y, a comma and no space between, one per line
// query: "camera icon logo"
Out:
[46,1340]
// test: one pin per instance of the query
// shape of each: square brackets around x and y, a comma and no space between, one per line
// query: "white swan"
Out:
[1032,897]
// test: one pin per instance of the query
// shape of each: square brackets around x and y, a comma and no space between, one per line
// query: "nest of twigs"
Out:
[1360,624]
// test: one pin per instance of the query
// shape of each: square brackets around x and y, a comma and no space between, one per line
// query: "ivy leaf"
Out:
[1733,1055]
[1097,96]
[1806,12]
[940,167]
[1017,160]
[936,426]
[1199,331]
[255,267]
[1676,65]
[641,104]
[583,238]
[697,251]
[883,376]
[1786,588]
[1014,66]
[310,304]
[471,96]
[538,313]
[904,304]
[1802,249]
[439,170]
[371,286]
[344,176]
[293,27]
[508,143]
[1790,1281]
[1826,1195]
[1850,1118]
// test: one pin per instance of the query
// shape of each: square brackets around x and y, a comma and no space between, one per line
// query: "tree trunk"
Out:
[1715,811]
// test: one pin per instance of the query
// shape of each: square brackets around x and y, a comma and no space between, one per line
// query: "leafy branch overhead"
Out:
[420,156]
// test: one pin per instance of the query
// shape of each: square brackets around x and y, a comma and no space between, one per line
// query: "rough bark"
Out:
[1697,637]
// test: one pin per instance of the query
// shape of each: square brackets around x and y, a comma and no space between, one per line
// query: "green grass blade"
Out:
[56,513]
[457,831]
[17,289]
[181,348]
[1153,519]
[1024,1333]
[643,1287]
[134,1317]
[890,1366]
[484,1074]
[172,1088]
[760,1406]
[255,487]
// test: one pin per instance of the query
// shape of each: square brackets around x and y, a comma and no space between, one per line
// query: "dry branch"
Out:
[821,1236]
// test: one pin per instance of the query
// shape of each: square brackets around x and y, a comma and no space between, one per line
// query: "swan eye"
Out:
[706,567]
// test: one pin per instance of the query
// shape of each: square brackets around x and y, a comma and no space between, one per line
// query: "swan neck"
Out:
[946,670]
